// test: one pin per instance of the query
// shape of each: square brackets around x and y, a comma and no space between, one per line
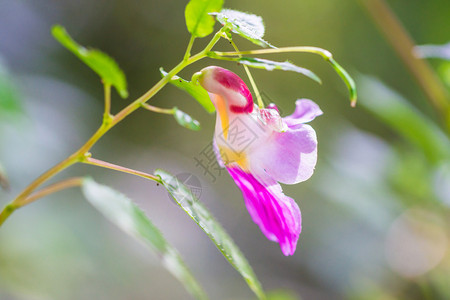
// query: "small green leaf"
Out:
[401,116]
[191,205]
[98,61]
[348,80]
[9,99]
[248,26]
[122,212]
[195,90]
[198,21]
[4,183]
[185,120]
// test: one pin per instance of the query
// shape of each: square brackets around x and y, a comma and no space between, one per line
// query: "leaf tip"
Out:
[123,94]
[56,28]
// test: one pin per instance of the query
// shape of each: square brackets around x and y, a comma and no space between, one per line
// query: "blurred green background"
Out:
[375,213]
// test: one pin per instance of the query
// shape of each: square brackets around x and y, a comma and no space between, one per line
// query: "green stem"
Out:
[62,185]
[322,52]
[46,176]
[402,43]
[250,77]
[81,154]
[187,54]
[168,111]
[6,212]
[348,80]
[107,165]
[107,92]
[158,86]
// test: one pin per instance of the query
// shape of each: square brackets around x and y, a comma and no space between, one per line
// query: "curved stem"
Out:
[10,208]
[158,86]
[187,54]
[107,165]
[250,77]
[107,92]
[62,185]
[108,122]
[304,49]
[348,80]
[46,176]
[168,111]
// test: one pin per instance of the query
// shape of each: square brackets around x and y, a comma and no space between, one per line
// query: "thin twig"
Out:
[107,165]
[11,207]
[168,111]
[250,77]
[68,183]
[107,92]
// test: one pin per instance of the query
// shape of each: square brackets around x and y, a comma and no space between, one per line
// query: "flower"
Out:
[260,149]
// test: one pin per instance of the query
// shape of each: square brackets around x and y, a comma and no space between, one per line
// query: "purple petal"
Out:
[305,111]
[288,157]
[277,215]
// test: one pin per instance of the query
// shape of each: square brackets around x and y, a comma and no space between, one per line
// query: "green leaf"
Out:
[9,99]
[122,212]
[98,61]
[195,90]
[4,183]
[199,22]
[191,205]
[401,116]
[248,26]
[444,72]
[185,120]
[348,80]
[269,65]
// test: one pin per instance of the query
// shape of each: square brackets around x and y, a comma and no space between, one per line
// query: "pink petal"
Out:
[277,215]
[305,111]
[288,157]
[220,81]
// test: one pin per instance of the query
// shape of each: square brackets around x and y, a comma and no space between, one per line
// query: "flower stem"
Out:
[168,111]
[10,208]
[158,86]
[348,80]
[81,155]
[68,183]
[322,52]
[187,54]
[107,165]
[250,77]
[107,92]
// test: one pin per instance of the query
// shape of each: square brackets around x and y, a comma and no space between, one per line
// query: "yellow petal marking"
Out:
[223,113]
[230,156]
